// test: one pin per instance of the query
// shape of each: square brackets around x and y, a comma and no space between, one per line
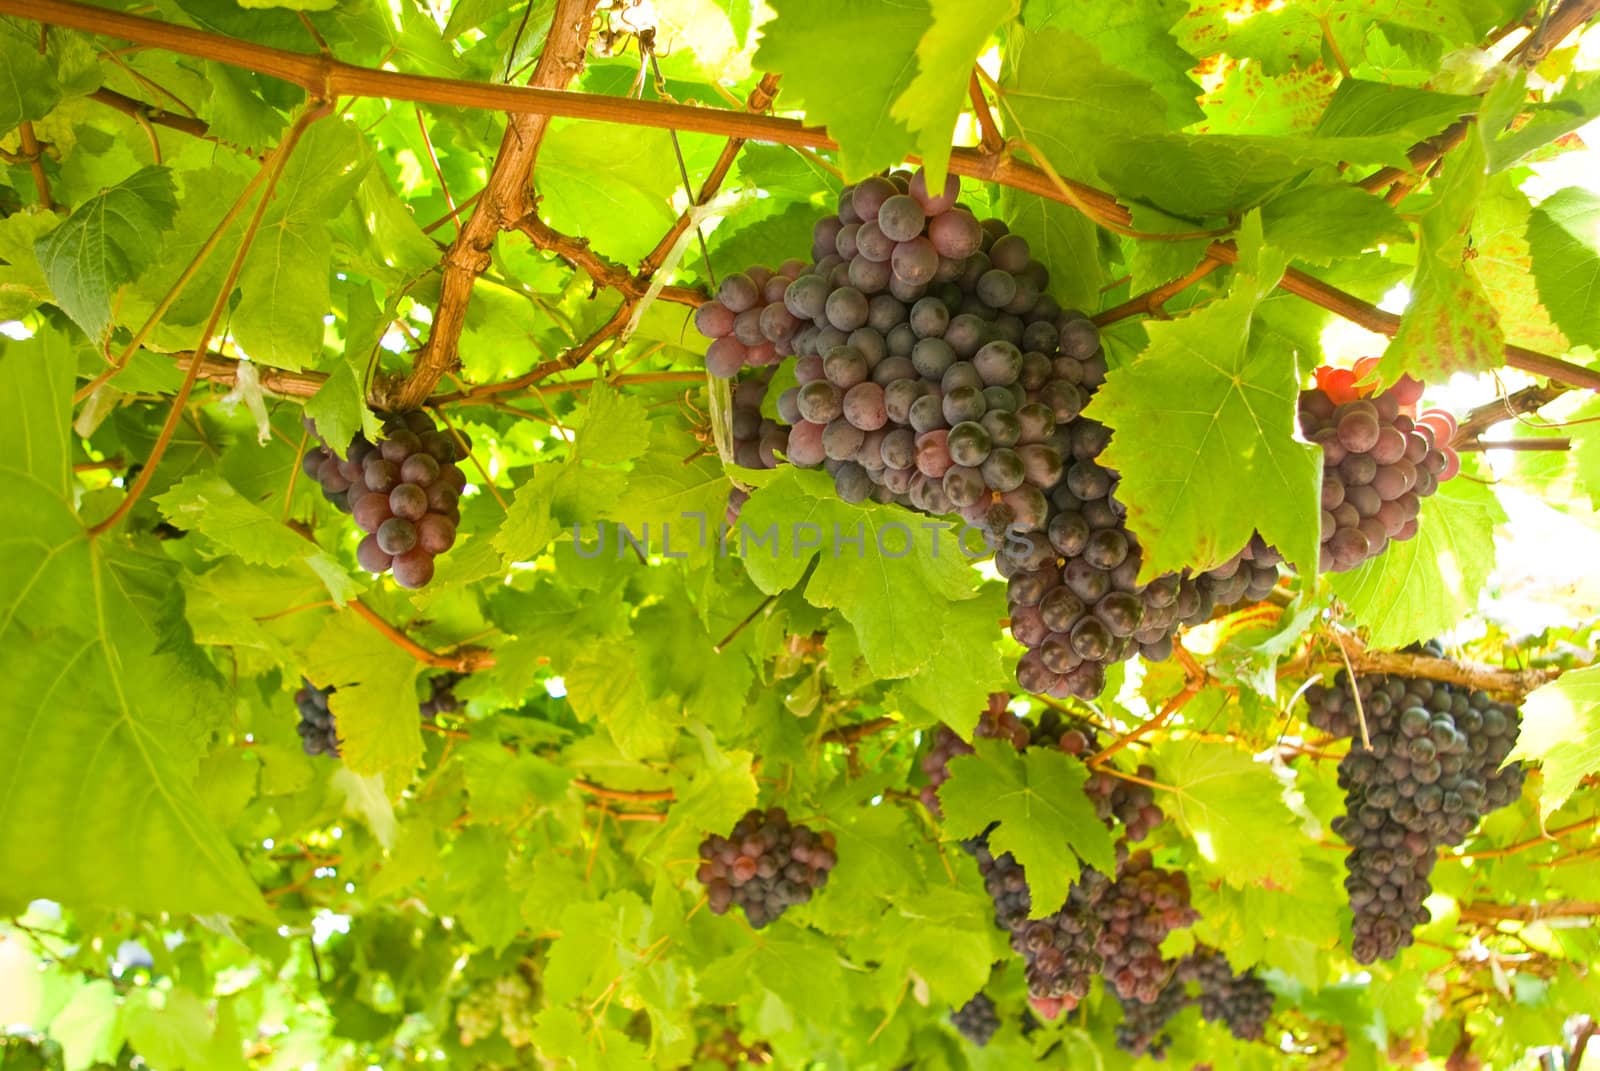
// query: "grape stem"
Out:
[643,795]
[1152,301]
[1545,837]
[992,140]
[32,153]
[466,661]
[1555,909]
[1194,678]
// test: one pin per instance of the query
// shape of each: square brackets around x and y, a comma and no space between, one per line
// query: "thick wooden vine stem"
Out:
[503,203]
[324,76]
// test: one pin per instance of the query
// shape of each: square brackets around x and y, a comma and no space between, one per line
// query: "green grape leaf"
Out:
[1203,429]
[1505,265]
[945,56]
[89,1026]
[36,390]
[1133,35]
[79,662]
[1298,34]
[1561,732]
[889,578]
[210,505]
[1066,101]
[105,244]
[374,704]
[1325,221]
[567,1040]
[615,427]
[1450,325]
[1422,587]
[943,938]
[1064,239]
[285,279]
[23,287]
[1232,806]
[1045,818]
[507,786]
[28,85]
[613,184]
[844,60]
[1564,240]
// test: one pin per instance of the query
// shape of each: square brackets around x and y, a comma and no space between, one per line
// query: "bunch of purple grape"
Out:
[756,438]
[934,371]
[1143,906]
[1242,1002]
[976,1020]
[747,322]
[765,865]
[1428,772]
[318,733]
[1378,466]
[1061,950]
[403,492]
[441,696]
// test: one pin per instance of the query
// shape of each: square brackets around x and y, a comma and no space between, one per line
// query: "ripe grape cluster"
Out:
[1379,463]
[976,1020]
[1241,1002]
[318,733]
[1143,1030]
[1061,950]
[930,364]
[934,371]
[403,492]
[1427,773]
[765,865]
[441,696]
[1140,909]
[1075,599]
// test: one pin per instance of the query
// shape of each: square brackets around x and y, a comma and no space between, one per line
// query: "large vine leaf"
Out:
[1450,325]
[105,244]
[1203,429]
[1233,807]
[945,55]
[1564,239]
[1561,732]
[844,58]
[1045,818]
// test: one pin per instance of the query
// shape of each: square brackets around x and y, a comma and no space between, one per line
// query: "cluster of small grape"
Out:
[403,492]
[508,1006]
[1076,602]
[1143,1030]
[747,322]
[1060,950]
[441,696]
[756,438]
[1242,1002]
[1143,906]
[976,1020]
[766,865]
[995,723]
[913,304]
[318,733]
[1429,770]
[1379,462]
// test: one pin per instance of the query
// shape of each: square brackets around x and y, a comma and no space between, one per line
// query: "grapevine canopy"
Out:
[297,770]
